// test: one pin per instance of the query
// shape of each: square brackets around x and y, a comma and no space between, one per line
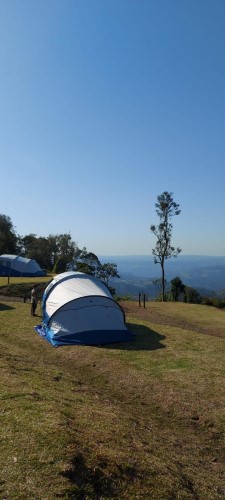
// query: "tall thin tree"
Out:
[166,208]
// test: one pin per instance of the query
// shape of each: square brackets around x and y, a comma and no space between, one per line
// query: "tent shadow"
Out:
[145,339]
[5,307]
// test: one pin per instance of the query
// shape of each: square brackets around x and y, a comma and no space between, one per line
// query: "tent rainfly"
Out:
[78,309]
[14,265]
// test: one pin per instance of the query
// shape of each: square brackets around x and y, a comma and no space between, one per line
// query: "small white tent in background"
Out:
[14,265]
[79,309]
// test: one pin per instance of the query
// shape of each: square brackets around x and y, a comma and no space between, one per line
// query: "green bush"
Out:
[22,290]
[126,297]
[214,302]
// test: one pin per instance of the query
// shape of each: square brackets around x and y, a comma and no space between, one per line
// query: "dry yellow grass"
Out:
[128,421]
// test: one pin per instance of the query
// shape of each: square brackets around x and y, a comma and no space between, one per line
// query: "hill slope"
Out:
[135,420]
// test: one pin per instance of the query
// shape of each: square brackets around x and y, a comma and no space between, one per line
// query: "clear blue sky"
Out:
[104,104]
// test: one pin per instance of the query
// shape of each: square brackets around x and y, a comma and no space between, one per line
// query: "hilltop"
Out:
[143,419]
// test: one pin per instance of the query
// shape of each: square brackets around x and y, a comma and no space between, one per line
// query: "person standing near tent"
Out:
[34,300]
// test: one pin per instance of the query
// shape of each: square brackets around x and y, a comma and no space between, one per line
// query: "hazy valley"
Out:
[204,273]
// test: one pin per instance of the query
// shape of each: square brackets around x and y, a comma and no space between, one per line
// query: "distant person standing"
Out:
[34,300]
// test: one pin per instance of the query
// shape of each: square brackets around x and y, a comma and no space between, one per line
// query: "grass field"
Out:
[139,420]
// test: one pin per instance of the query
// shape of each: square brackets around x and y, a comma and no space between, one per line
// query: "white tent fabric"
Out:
[79,309]
[82,285]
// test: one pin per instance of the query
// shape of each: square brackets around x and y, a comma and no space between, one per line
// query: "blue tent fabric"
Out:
[41,331]
[78,309]
[15,265]
[99,337]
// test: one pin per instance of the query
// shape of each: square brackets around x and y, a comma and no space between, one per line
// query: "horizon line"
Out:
[149,255]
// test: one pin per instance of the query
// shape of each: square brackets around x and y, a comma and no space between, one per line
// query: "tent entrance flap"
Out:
[100,314]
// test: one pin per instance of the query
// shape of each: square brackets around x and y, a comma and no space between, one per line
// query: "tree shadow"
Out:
[4,307]
[145,339]
[95,481]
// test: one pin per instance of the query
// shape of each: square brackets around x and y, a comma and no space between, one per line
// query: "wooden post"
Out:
[144,300]
[139,300]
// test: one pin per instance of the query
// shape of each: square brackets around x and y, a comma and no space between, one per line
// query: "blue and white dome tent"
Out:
[14,265]
[79,309]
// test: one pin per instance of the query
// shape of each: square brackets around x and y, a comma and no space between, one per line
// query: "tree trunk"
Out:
[163,281]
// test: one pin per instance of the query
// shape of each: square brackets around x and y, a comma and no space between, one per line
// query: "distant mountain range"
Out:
[204,273]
